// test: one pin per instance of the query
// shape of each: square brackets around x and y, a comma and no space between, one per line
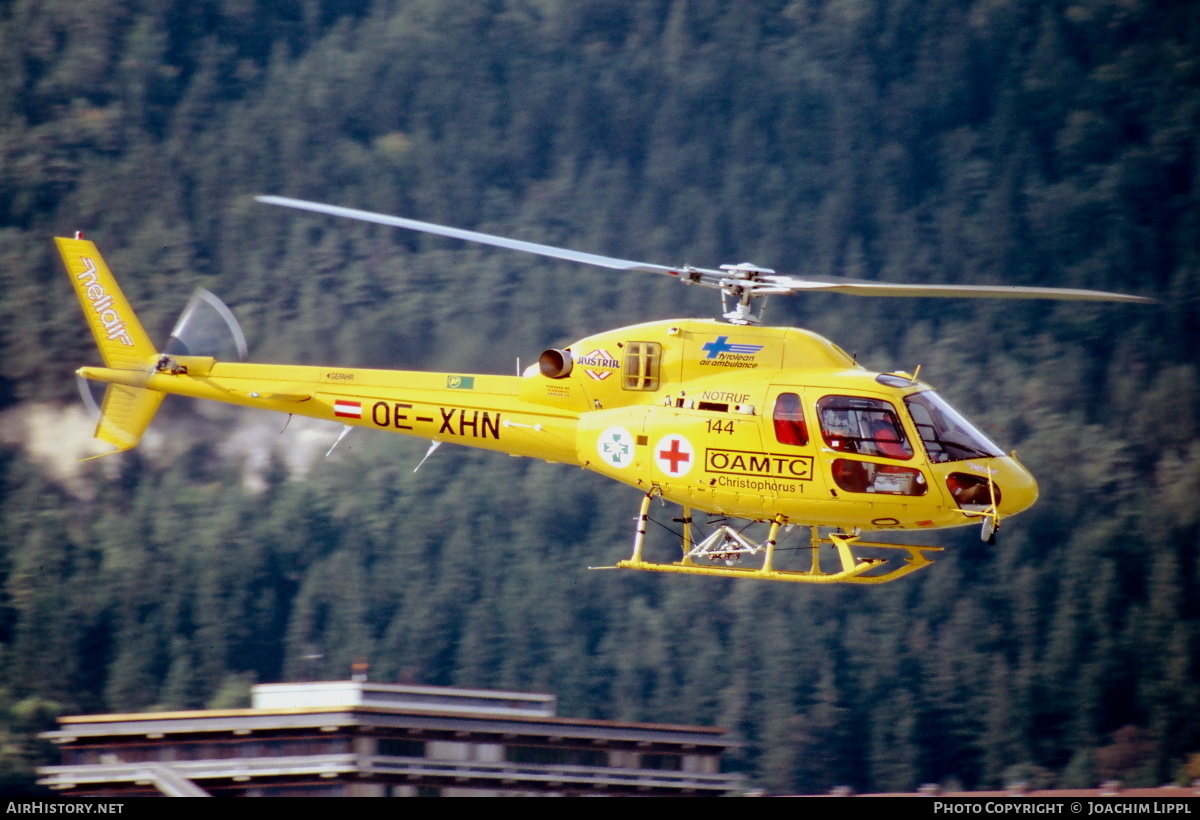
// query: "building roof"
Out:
[398,695]
[382,705]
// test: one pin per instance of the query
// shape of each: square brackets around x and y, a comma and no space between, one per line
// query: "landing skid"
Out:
[723,550]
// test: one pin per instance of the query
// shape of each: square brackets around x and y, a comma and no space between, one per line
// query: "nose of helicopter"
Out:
[1019,490]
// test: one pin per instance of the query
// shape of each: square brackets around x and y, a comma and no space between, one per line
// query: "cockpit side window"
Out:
[946,433]
[869,427]
[789,420]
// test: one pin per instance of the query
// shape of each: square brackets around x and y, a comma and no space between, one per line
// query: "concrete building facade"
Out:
[353,738]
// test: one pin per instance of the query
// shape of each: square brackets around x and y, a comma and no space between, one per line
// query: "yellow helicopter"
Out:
[774,425]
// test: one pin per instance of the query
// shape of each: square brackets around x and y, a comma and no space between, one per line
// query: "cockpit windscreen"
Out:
[948,436]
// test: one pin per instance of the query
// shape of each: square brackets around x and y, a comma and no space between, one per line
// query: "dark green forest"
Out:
[971,141]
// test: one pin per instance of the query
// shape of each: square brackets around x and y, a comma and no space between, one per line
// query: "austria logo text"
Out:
[598,358]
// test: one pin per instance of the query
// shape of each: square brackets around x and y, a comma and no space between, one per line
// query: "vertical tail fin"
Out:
[124,344]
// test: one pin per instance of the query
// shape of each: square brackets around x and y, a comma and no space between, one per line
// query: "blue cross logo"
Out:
[715,349]
[721,345]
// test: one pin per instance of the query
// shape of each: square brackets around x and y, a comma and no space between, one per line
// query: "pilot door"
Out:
[789,447]
[869,455]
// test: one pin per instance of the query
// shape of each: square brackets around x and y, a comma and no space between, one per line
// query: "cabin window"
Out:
[642,361]
[882,479]
[868,427]
[789,420]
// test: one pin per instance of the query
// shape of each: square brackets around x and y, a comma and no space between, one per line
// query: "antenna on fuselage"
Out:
[433,445]
[345,431]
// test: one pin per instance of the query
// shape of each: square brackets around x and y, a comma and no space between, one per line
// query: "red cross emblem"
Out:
[673,454]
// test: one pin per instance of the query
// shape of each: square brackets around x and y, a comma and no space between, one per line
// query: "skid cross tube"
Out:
[725,547]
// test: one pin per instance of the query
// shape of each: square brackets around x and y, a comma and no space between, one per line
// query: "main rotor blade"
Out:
[755,285]
[469,236]
[863,287]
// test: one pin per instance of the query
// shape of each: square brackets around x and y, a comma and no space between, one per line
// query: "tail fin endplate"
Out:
[124,344]
[125,414]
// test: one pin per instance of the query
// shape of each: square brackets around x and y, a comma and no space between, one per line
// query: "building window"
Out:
[398,747]
[554,756]
[666,763]
[141,754]
[642,360]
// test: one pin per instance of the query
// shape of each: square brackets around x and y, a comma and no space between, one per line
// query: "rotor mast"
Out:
[743,285]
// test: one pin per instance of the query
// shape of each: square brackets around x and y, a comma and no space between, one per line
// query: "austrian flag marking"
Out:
[343,408]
